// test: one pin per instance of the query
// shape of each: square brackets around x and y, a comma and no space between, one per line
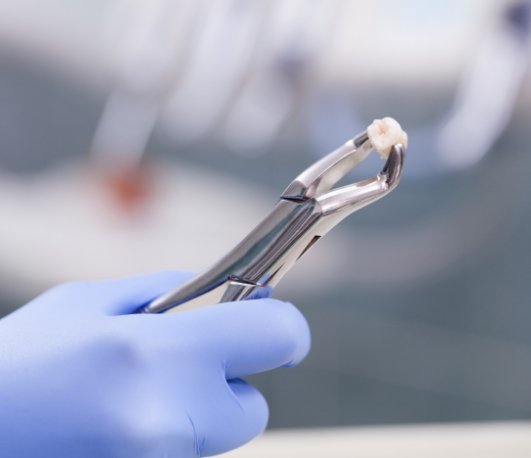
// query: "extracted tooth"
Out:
[384,134]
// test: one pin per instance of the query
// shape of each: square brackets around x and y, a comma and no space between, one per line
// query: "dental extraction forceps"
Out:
[306,211]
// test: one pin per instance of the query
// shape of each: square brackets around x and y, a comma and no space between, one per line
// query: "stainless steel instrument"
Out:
[306,211]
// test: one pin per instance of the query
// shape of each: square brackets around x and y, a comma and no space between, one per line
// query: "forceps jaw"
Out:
[353,197]
[322,175]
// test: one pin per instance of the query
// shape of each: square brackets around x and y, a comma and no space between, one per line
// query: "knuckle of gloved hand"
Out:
[148,423]
[128,387]
[132,435]
[66,290]
[293,331]
[59,295]
[116,355]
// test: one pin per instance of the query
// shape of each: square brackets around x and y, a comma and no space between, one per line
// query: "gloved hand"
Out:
[82,376]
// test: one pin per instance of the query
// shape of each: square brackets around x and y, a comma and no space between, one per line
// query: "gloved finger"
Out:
[261,293]
[241,418]
[126,295]
[246,337]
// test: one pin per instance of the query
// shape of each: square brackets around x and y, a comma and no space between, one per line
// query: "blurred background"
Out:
[138,136]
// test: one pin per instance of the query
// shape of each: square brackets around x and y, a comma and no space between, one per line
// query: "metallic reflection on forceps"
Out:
[306,211]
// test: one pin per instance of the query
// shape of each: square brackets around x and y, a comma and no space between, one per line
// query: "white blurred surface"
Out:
[62,226]
[80,36]
[495,440]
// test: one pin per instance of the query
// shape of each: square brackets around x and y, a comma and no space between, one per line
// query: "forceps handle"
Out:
[261,259]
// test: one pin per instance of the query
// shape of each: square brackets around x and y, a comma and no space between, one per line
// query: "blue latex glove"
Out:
[82,376]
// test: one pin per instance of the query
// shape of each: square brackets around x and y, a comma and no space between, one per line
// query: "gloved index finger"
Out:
[128,295]
[249,336]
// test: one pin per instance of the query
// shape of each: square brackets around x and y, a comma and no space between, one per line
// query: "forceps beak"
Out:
[355,196]
[316,181]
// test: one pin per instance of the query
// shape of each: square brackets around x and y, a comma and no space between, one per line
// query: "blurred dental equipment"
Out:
[288,55]
[488,93]
[221,57]
[153,41]
[171,62]
[306,211]
[256,74]
[480,113]
[485,100]
[208,68]
[153,47]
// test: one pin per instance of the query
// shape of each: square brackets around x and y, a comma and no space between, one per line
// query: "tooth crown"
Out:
[384,134]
